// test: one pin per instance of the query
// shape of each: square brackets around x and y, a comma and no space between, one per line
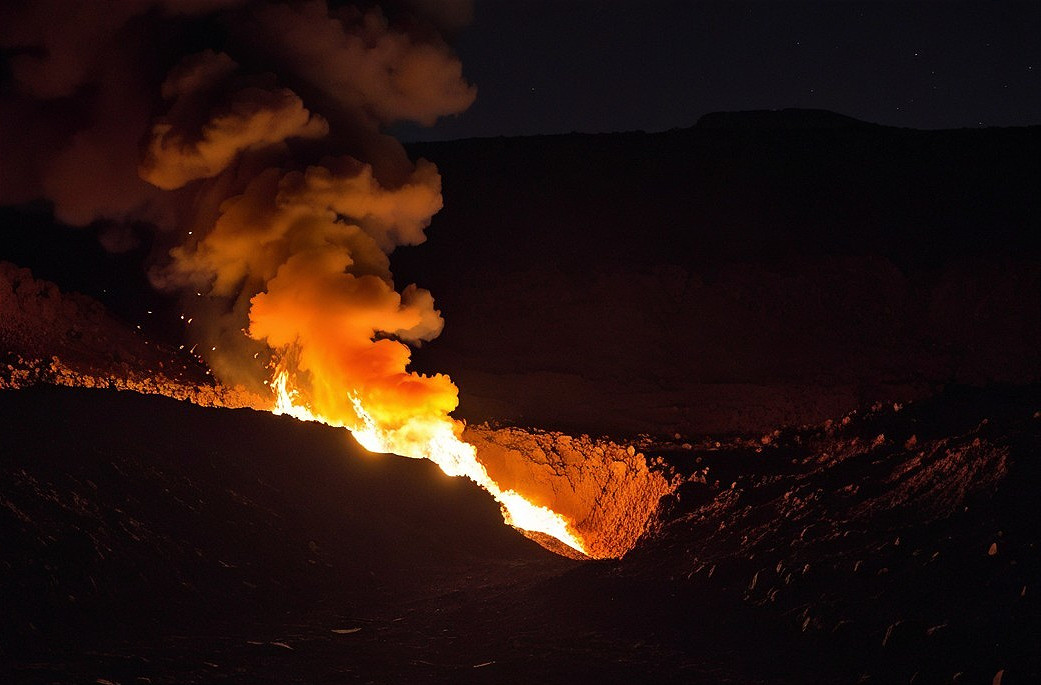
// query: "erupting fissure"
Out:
[269,175]
[437,440]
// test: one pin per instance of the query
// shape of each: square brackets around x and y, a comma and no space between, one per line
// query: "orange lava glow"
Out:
[435,438]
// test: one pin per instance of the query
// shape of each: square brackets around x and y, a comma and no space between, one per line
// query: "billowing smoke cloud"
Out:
[180,149]
[259,152]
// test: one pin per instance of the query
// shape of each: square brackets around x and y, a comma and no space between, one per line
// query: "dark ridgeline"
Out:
[736,186]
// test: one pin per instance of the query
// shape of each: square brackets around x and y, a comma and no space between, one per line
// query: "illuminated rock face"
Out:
[608,493]
[605,489]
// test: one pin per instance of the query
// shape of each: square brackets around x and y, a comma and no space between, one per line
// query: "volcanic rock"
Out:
[605,488]
[47,336]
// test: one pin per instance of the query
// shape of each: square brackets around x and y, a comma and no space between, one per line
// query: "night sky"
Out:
[556,66]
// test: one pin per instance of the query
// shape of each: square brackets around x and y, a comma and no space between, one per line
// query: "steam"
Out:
[259,154]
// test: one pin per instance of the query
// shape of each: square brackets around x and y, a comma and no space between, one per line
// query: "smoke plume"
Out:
[251,136]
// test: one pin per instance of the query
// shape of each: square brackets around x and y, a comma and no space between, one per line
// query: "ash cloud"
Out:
[250,134]
[213,121]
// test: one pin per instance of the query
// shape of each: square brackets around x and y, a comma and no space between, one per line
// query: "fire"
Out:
[288,204]
[436,439]
[297,208]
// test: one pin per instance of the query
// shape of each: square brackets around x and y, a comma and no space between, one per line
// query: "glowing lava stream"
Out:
[437,441]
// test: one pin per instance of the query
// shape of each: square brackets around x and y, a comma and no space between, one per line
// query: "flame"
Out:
[436,439]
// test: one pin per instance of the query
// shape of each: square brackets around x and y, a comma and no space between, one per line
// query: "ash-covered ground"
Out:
[819,339]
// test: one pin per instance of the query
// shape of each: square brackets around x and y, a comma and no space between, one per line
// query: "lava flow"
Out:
[436,439]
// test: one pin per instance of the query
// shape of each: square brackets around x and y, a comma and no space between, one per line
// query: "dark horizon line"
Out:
[852,121]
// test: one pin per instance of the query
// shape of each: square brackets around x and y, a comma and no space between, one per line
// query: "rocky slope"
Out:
[60,339]
[607,489]
[147,540]
[901,538]
[70,339]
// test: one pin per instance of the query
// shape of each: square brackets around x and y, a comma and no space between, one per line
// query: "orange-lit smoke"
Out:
[268,161]
[302,249]
[310,242]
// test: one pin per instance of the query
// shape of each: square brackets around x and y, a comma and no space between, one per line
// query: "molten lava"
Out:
[437,439]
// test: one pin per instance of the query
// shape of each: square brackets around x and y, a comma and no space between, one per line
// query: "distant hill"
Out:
[757,268]
[779,119]
[748,185]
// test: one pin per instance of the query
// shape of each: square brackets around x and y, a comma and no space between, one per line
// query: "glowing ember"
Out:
[436,439]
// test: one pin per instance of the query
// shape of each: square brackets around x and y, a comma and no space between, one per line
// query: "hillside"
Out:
[756,269]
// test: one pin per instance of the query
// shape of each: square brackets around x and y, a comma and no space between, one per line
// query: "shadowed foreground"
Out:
[148,540]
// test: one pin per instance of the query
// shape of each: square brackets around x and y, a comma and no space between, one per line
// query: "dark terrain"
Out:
[191,545]
[826,333]
[755,270]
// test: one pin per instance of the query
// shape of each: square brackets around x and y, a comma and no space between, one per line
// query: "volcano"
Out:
[813,453]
